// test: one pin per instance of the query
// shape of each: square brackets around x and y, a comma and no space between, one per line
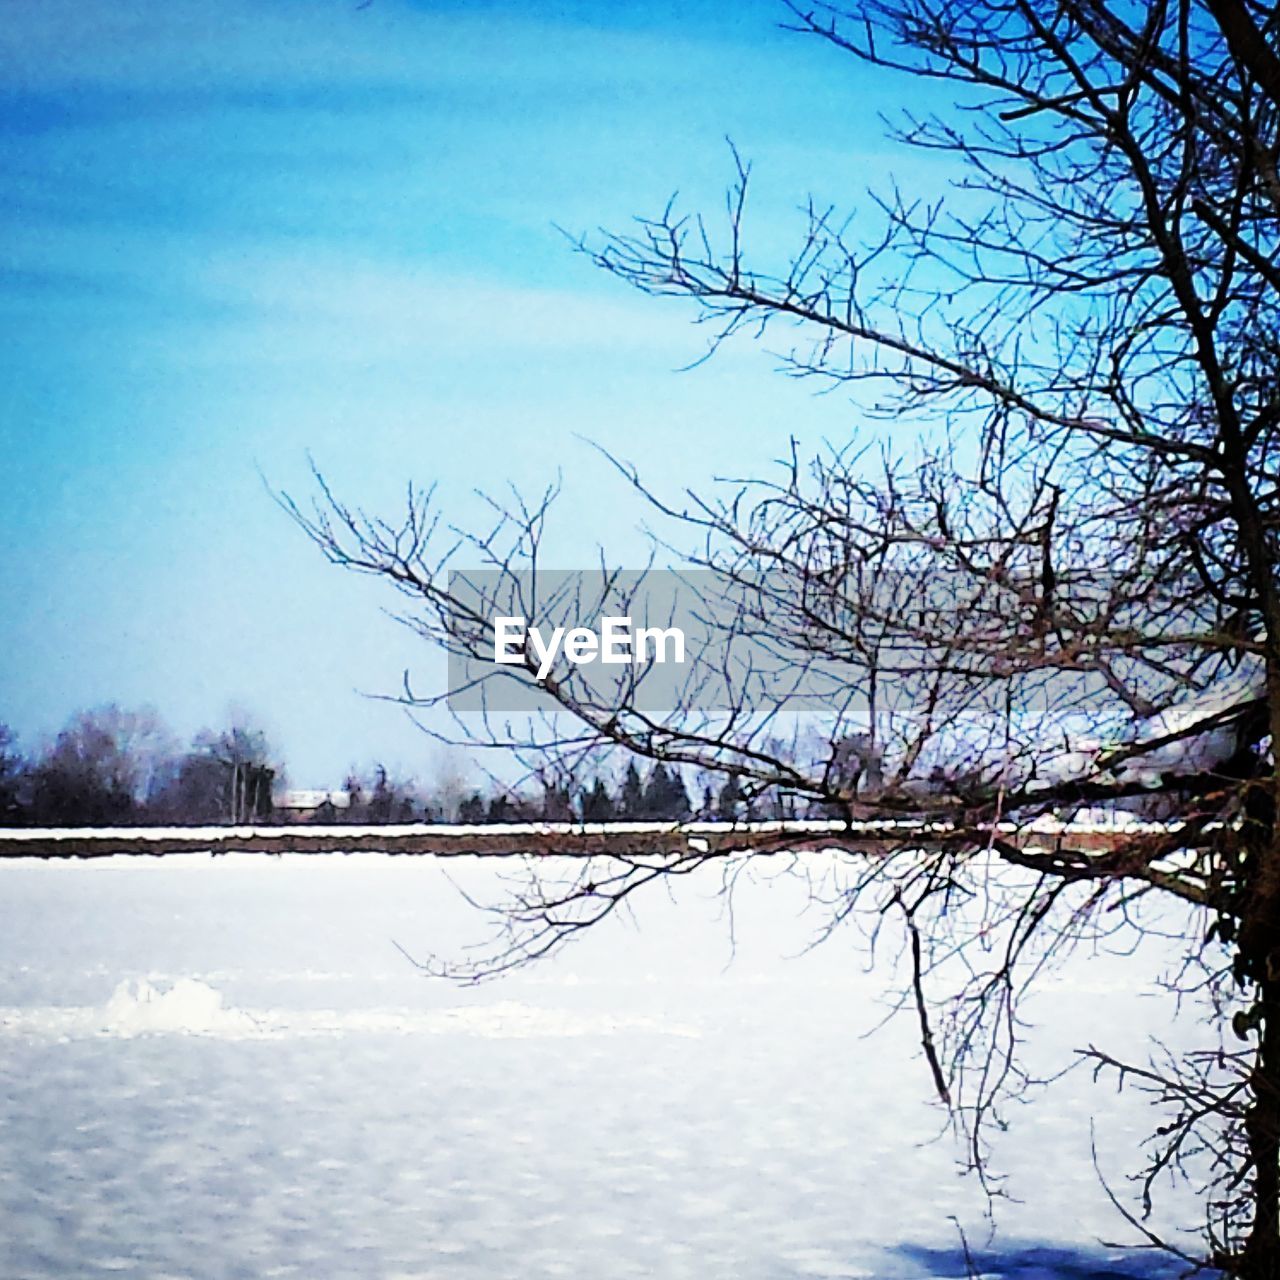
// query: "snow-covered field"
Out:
[225,1068]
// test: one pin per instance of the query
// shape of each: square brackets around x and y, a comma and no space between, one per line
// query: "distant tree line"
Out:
[660,796]
[115,767]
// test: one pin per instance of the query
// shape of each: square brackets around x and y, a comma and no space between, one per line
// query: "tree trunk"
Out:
[1260,1259]
[1259,945]
[1259,957]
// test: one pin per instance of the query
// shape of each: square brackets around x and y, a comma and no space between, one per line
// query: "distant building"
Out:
[311,806]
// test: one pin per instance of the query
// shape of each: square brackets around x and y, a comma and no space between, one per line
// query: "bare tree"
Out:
[102,769]
[226,777]
[449,785]
[378,797]
[1069,602]
[12,769]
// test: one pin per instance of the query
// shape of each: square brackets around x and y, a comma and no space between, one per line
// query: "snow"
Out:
[209,1071]
[137,1008]
[1190,753]
[191,1007]
[264,837]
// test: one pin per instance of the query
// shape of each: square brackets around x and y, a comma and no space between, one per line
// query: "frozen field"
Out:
[224,1068]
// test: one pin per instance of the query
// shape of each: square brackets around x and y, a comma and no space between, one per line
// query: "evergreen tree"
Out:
[729,803]
[665,797]
[557,805]
[471,810]
[597,804]
[631,799]
[679,806]
[655,792]
[501,810]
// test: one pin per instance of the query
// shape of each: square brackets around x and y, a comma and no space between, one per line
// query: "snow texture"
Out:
[1193,735]
[223,1070]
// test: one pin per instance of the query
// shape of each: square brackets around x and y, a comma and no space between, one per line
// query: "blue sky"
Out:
[233,233]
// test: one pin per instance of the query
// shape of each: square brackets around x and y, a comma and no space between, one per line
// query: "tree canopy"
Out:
[1066,602]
